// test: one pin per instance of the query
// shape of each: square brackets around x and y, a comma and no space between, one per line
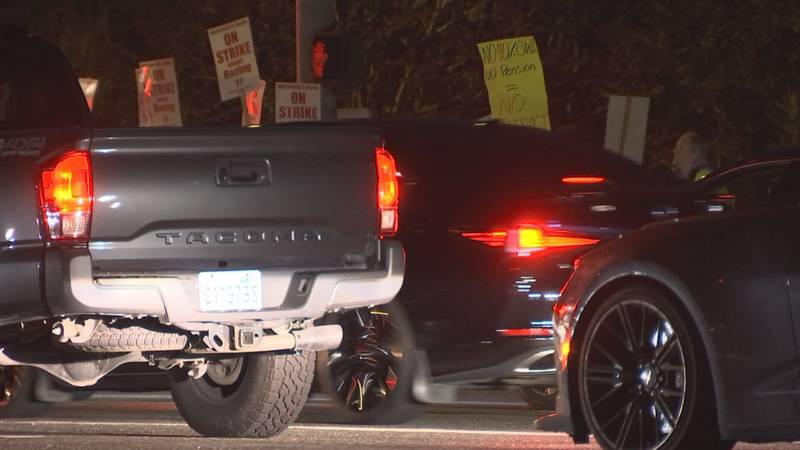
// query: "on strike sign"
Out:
[159,104]
[296,102]
[235,58]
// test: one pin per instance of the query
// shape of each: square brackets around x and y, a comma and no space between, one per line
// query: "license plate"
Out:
[230,290]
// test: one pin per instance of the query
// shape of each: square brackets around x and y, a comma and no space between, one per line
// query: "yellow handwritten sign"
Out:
[514,79]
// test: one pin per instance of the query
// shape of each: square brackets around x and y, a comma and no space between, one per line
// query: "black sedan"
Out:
[685,335]
[492,217]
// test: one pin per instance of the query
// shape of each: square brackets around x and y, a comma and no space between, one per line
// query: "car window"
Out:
[769,185]
[37,92]
[511,158]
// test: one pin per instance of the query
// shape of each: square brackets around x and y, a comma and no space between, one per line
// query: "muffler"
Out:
[322,337]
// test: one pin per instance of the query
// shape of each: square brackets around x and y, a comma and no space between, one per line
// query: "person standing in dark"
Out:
[690,158]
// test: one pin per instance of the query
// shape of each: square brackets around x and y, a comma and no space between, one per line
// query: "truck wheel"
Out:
[370,376]
[248,396]
[17,392]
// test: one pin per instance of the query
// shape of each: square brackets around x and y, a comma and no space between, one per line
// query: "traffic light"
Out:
[338,56]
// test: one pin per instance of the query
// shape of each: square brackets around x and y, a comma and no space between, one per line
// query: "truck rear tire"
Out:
[248,396]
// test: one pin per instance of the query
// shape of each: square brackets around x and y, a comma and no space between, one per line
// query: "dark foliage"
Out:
[728,70]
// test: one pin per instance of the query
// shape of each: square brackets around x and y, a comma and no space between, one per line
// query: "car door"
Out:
[766,186]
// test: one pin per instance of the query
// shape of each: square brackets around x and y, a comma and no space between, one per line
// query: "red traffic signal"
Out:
[336,56]
[319,56]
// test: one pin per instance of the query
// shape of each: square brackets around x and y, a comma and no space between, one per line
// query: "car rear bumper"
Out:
[563,420]
[72,289]
[524,362]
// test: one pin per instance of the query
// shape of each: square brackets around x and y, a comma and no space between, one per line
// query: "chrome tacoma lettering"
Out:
[168,237]
[289,236]
[253,236]
[226,237]
[197,237]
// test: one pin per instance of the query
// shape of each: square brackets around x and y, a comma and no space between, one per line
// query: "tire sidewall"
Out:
[235,414]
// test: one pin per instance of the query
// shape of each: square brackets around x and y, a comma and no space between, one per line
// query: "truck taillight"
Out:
[65,193]
[529,239]
[388,192]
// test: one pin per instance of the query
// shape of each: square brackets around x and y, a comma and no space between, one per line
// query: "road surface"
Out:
[153,423]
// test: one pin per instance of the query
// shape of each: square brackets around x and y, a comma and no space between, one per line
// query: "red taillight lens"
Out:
[388,192]
[528,239]
[533,239]
[526,332]
[66,197]
[490,238]
[583,180]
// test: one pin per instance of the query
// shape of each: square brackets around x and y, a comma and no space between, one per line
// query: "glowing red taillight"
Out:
[65,194]
[528,239]
[490,238]
[583,180]
[526,332]
[388,192]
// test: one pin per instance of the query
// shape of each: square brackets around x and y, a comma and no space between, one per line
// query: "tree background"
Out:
[728,70]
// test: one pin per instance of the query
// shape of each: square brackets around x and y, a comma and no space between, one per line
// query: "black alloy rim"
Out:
[364,369]
[634,376]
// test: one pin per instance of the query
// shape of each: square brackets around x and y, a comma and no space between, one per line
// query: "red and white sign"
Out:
[251,105]
[297,102]
[89,87]
[159,103]
[235,58]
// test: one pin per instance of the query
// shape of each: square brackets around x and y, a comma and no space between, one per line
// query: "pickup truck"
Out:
[207,253]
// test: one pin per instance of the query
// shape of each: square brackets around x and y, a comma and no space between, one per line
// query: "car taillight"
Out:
[527,332]
[490,238]
[65,194]
[528,239]
[583,180]
[388,192]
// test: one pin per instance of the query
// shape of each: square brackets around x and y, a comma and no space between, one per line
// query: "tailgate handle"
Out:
[243,172]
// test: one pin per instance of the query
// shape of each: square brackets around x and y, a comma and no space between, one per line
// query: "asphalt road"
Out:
[142,423]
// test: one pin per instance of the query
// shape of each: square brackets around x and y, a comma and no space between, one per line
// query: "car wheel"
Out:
[540,399]
[640,377]
[370,376]
[17,392]
[255,395]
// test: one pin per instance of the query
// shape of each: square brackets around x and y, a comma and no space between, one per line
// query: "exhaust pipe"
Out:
[322,337]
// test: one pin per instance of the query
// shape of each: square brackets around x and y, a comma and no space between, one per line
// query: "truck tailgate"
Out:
[192,199]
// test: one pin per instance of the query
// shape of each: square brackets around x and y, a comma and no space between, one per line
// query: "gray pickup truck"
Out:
[207,253]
